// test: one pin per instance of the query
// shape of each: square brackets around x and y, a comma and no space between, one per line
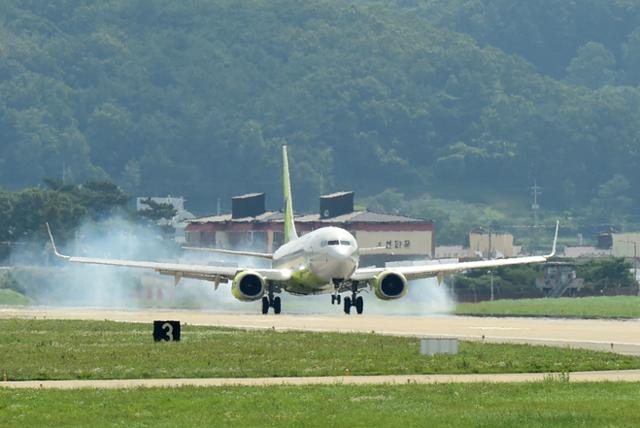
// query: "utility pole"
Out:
[535,206]
[635,260]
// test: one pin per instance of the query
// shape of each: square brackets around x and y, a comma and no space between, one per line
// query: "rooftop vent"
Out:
[336,204]
[249,205]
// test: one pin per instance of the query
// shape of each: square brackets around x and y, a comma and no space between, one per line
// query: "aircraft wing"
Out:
[431,270]
[177,270]
[230,252]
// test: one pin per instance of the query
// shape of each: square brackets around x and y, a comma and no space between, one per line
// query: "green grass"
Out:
[10,297]
[548,404]
[590,307]
[47,349]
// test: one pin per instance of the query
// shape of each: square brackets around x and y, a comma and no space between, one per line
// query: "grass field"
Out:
[592,307]
[548,404]
[10,297]
[48,349]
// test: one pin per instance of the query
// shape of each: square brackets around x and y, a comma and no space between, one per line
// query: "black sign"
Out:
[168,331]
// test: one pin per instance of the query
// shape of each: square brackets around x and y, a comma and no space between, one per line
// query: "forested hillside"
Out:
[447,98]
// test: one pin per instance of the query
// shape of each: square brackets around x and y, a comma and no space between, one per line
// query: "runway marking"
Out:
[598,376]
[498,328]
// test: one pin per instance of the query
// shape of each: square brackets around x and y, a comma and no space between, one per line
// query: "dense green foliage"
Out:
[85,350]
[508,282]
[584,307]
[553,404]
[608,273]
[195,98]
[25,213]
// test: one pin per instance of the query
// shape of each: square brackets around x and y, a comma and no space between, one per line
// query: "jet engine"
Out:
[248,286]
[389,285]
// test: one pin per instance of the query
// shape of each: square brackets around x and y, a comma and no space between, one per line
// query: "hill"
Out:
[195,98]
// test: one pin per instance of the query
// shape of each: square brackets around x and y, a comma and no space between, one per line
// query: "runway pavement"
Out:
[603,376]
[622,336]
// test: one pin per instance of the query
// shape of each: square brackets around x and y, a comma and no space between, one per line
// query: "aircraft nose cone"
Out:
[343,262]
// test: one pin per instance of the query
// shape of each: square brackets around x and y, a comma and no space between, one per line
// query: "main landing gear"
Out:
[354,300]
[271,302]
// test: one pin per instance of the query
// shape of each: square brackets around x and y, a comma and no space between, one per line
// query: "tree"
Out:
[593,66]
[603,274]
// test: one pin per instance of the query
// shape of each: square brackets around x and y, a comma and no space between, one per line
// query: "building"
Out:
[490,244]
[625,245]
[250,226]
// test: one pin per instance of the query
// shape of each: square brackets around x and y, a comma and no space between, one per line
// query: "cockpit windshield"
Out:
[336,242]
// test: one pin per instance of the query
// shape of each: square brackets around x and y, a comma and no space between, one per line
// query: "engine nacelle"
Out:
[390,285]
[248,286]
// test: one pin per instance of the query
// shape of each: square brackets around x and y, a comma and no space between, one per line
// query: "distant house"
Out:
[490,244]
[585,252]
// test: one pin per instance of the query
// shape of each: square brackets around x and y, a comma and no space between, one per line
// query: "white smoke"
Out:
[425,297]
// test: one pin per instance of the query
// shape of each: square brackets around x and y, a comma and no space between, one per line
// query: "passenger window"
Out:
[333,243]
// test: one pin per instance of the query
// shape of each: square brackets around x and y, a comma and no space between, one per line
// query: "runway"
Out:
[622,336]
[602,376]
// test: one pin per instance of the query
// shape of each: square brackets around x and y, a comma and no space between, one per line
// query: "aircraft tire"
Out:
[276,305]
[347,305]
[333,299]
[359,305]
[265,305]
[338,298]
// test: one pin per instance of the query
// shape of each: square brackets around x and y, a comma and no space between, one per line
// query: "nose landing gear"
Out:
[336,299]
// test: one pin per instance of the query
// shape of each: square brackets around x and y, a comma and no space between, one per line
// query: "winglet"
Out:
[289,224]
[555,241]
[53,245]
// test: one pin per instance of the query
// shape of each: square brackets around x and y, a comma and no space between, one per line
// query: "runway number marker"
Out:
[169,329]
[166,331]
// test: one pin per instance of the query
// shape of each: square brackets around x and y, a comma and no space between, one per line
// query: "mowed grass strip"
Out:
[52,349]
[550,404]
[582,307]
[10,297]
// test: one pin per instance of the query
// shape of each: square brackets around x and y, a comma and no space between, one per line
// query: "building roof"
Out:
[248,195]
[277,216]
[223,218]
[361,217]
[336,194]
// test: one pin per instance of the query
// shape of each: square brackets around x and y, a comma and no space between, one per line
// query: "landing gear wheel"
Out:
[265,305]
[347,305]
[333,299]
[359,305]
[338,299]
[276,305]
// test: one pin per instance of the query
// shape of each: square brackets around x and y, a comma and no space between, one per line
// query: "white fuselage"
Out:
[318,258]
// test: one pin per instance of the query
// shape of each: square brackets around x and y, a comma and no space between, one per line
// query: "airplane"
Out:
[323,261]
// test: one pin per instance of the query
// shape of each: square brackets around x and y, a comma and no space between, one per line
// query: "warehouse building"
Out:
[250,226]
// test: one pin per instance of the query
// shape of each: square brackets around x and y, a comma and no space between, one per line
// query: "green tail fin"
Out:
[289,225]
